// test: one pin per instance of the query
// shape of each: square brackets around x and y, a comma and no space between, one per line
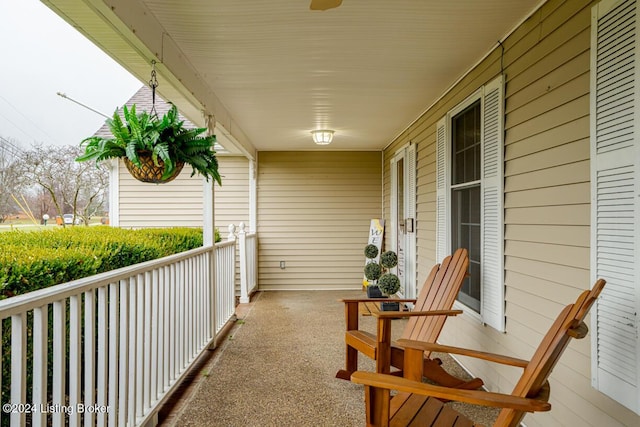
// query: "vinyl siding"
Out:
[176,203]
[314,214]
[232,198]
[180,202]
[546,200]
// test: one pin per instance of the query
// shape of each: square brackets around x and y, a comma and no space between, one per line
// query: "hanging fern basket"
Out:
[149,171]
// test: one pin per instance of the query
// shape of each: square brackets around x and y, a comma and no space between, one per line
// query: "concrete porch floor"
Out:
[277,365]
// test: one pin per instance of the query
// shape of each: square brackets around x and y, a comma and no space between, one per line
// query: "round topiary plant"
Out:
[372,271]
[389,284]
[389,259]
[371,251]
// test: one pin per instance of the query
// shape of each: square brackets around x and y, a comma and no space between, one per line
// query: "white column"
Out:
[208,230]
[244,274]
[253,194]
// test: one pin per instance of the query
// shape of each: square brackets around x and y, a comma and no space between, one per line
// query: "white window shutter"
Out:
[442,199]
[492,270]
[410,183]
[615,188]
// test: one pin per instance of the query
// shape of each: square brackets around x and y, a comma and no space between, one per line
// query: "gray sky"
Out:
[40,54]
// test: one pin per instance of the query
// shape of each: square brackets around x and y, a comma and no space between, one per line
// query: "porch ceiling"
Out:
[271,71]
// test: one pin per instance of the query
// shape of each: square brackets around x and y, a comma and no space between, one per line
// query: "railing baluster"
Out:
[146,345]
[74,358]
[89,356]
[198,300]
[158,336]
[172,301]
[104,355]
[138,356]
[40,360]
[181,316]
[59,360]
[126,300]
[115,349]
[18,366]
[190,327]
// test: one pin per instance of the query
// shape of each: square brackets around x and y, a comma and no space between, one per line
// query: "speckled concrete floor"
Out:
[277,368]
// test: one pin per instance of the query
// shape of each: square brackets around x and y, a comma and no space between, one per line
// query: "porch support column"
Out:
[253,194]
[209,240]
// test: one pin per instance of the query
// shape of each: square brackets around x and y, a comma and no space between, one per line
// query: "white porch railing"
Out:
[248,254]
[119,341]
[225,296]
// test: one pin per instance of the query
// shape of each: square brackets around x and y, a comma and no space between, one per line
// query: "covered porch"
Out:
[276,367]
[544,188]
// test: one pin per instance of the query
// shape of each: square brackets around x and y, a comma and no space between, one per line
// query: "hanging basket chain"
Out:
[153,84]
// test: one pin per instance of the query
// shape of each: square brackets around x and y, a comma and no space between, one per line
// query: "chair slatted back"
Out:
[569,324]
[438,292]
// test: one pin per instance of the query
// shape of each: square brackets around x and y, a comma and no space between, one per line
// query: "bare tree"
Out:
[10,184]
[74,187]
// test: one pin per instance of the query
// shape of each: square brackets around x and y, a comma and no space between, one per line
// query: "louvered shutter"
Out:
[410,212]
[492,297]
[442,199]
[615,185]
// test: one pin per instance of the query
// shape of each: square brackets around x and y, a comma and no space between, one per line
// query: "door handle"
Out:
[408,225]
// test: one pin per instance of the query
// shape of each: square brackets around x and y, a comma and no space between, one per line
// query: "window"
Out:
[469,193]
[615,207]
[465,197]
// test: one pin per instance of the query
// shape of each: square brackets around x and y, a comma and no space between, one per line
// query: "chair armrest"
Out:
[476,397]
[492,357]
[397,314]
[352,300]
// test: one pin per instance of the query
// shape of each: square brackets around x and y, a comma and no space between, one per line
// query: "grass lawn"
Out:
[28,225]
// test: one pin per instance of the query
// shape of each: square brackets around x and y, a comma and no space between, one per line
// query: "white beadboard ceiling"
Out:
[271,71]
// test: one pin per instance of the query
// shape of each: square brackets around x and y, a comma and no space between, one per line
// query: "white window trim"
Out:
[492,301]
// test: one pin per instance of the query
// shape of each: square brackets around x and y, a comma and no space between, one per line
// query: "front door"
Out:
[403,166]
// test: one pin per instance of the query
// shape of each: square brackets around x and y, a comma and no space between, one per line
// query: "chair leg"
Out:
[351,365]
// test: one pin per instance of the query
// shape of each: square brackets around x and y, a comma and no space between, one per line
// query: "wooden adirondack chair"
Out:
[431,309]
[418,403]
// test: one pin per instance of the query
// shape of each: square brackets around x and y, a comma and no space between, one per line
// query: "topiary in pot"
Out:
[154,149]
[371,251]
[372,271]
[380,281]
[389,259]
[389,283]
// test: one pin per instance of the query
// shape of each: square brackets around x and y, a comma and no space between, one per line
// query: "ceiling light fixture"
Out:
[322,136]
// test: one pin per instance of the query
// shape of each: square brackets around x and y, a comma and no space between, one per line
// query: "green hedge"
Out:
[39,259]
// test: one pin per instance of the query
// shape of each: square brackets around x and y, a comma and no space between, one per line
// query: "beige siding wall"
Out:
[232,198]
[314,210]
[177,203]
[547,211]
[180,202]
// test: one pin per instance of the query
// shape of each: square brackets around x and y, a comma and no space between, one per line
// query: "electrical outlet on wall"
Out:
[282,265]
